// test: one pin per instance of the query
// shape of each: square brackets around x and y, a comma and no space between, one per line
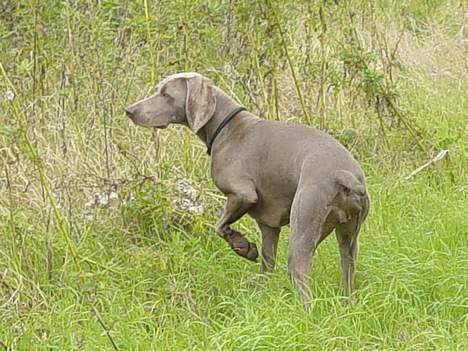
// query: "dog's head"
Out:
[184,98]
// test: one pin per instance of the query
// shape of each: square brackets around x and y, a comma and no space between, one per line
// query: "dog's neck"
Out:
[224,105]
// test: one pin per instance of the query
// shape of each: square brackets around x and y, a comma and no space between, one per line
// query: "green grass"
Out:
[144,274]
[186,290]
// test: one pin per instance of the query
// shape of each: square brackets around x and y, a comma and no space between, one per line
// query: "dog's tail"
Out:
[349,182]
[356,194]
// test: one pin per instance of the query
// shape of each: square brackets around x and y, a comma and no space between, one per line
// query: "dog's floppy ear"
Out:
[200,103]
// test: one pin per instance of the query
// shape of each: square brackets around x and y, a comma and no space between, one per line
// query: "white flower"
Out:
[196,209]
[113,198]
[185,204]
[186,190]
[187,198]
[103,201]
[9,95]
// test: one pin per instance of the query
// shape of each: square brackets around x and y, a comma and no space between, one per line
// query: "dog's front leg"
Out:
[236,206]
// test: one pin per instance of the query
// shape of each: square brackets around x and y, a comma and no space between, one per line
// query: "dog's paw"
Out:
[241,246]
[250,252]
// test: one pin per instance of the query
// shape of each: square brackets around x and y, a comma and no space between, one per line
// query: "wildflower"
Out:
[187,198]
[9,95]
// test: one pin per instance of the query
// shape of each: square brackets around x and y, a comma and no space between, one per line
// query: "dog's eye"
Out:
[164,93]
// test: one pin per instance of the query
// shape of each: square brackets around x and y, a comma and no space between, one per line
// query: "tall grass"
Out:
[103,245]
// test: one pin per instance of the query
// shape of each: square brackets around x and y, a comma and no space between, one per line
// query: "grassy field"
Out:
[106,238]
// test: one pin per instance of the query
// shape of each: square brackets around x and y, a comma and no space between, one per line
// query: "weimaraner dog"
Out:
[280,173]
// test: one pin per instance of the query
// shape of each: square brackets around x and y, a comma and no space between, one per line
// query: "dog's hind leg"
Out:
[307,215]
[347,236]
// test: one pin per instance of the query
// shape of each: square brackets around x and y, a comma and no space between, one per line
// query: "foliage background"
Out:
[106,229]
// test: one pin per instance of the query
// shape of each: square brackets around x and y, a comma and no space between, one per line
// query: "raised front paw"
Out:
[241,246]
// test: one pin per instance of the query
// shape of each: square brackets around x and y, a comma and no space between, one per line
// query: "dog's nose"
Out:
[130,112]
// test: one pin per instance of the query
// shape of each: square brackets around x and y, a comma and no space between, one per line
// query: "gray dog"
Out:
[279,173]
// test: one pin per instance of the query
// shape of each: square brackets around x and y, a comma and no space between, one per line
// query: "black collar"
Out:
[223,123]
